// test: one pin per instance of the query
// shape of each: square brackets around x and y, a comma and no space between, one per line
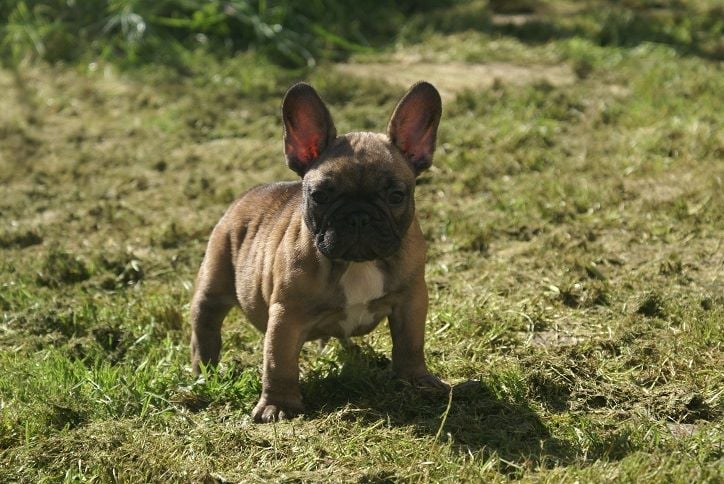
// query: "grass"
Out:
[575,262]
[133,32]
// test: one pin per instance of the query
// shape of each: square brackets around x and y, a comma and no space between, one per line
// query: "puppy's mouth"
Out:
[353,256]
[355,248]
[356,232]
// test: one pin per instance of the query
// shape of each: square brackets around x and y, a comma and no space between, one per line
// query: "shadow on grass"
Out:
[689,32]
[617,29]
[476,420]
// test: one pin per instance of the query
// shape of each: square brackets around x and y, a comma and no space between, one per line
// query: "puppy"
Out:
[330,255]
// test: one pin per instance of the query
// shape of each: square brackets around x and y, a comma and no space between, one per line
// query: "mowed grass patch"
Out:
[575,266]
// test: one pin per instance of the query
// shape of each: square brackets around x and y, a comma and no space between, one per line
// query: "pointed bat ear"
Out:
[413,125]
[308,127]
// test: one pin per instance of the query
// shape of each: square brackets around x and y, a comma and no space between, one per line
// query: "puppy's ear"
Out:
[308,127]
[413,125]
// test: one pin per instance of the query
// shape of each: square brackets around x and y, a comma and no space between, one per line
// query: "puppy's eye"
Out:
[396,197]
[320,196]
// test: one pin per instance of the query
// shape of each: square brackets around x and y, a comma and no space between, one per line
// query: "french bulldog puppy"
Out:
[330,255]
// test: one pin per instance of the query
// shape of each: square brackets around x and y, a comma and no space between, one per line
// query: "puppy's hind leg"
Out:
[213,298]
[207,314]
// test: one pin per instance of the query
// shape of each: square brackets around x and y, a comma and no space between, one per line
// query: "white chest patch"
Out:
[361,283]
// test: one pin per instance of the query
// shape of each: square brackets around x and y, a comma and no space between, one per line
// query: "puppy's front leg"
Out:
[283,340]
[407,325]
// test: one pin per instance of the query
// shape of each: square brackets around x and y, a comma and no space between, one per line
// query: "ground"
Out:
[575,219]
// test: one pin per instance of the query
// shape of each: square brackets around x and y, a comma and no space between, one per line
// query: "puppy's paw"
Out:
[430,382]
[424,380]
[270,411]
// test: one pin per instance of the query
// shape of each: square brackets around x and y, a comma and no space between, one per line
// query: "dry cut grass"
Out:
[575,268]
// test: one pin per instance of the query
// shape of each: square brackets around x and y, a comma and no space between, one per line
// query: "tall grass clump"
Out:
[292,33]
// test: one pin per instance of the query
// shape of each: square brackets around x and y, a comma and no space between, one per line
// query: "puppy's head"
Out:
[359,188]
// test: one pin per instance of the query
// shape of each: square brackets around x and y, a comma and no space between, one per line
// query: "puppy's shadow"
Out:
[474,419]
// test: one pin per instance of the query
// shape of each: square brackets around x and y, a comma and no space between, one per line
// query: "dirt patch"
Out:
[681,430]
[664,188]
[223,150]
[452,77]
[516,19]
[554,338]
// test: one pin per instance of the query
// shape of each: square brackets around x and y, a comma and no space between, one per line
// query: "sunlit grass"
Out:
[575,265]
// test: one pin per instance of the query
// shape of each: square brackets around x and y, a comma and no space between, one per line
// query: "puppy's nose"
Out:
[358,220]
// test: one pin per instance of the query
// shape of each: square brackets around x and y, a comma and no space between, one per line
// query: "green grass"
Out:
[575,262]
[133,32]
